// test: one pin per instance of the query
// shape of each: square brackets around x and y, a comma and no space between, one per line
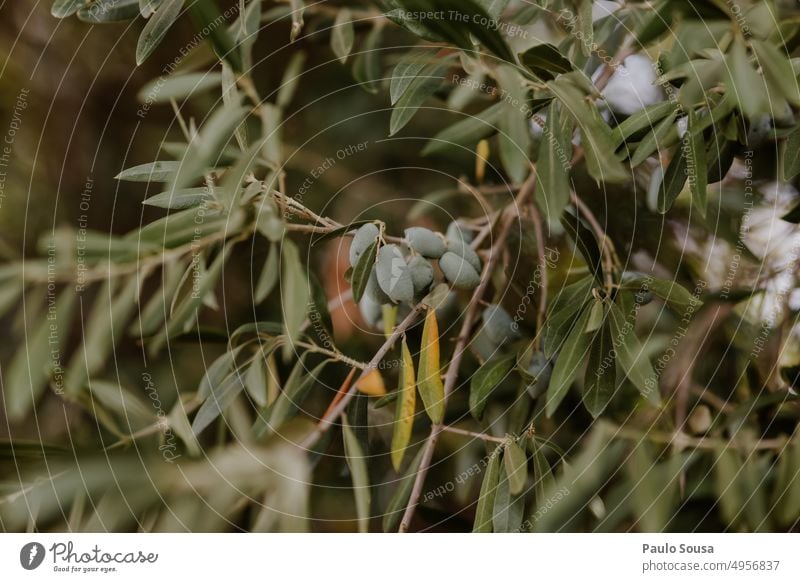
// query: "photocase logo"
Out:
[31,555]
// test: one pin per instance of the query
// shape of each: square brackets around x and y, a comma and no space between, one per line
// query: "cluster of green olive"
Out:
[403,273]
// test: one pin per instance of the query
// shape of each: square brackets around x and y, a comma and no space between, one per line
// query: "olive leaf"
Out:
[294,295]
[467,132]
[156,28]
[404,410]
[515,462]
[553,164]
[356,461]
[485,507]
[631,357]
[342,35]
[698,178]
[600,381]
[100,11]
[363,270]
[545,61]
[485,380]
[569,359]
[429,379]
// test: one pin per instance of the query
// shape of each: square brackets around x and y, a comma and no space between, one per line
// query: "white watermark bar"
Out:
[354,557]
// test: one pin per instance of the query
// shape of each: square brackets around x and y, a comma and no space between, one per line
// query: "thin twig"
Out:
[325,423]
[477,435]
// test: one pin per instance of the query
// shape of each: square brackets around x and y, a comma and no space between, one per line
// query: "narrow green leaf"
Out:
[358,471]
[543,475]
[673,181]
[101,11]
[645,119]
[553,165]
[777,69]
[485,380]
[178,87]
[152,172]
[466,132]
[573,352]
[568,495]
[727,484]
[697,166]
[545,61]
[269,275]
[676,296]
[366,65]
[600,380]
[255,380]
[295,391]
[363,270]
[180,199]
[746,85]
[294,295]
[631,356]
[186,311]
[585,242]
[515,462]
[485,508]
[596,136]
[37,360]
[342,35]
[791,155]
[508,511]
[407,69]
[156,28]
[64,8]
[205,148]
[663,136]
[418,91]
[514,143]
[462,21]
[207,17]
[568,304]
[290,80]
[112,309]
[222,395]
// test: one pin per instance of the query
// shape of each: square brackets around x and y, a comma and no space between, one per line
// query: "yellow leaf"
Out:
[389,319]
[429,379]
[404,411]
[372,384]
[481,155]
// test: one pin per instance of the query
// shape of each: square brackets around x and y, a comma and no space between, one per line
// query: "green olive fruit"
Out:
[394,276]
[459,271]
[457,232]
[643,297]
[425,242]
[483,345]
[373,289]
[421,274]
[541,368]
[370,310]
[364,237]
[462,249]
[498,324]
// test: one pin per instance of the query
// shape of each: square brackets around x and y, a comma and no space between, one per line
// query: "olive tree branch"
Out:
[510,213]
